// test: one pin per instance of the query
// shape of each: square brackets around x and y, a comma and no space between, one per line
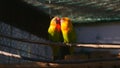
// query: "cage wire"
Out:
[17,49]
[47,60]
[80,11]
[21,48]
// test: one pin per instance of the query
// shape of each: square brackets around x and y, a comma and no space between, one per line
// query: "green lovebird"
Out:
[68,32]
[55,35]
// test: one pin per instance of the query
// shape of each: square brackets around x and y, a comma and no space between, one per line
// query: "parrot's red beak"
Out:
[58,20]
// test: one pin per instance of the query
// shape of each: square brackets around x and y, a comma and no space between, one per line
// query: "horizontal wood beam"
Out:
[97,46]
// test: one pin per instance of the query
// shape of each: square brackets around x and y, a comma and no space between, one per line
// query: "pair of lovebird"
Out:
[61,30]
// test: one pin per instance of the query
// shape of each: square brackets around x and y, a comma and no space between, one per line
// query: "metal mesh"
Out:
[81,10]
[20,48]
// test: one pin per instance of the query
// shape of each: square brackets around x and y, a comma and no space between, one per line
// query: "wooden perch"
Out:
[59,61]
[99,46]
[9,54]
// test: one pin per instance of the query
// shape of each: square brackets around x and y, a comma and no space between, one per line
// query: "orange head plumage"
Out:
[66,24]
[55,24]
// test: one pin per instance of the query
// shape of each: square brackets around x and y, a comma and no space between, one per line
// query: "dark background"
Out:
[24,16]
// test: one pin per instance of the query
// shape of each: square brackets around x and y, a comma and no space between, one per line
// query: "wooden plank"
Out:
[109,64]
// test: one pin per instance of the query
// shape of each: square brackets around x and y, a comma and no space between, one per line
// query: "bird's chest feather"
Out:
[58,28]
[65,28]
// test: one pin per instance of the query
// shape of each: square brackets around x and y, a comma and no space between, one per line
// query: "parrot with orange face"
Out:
[55,35]
[68,32]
